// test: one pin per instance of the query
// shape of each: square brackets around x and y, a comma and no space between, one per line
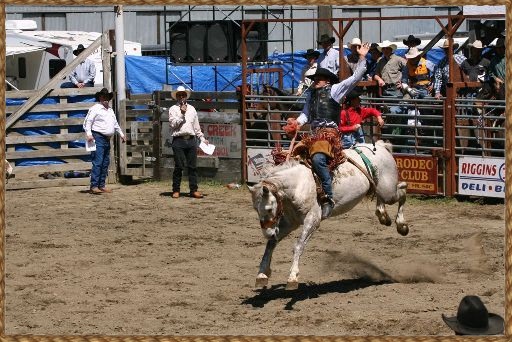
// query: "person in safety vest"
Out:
[322,111]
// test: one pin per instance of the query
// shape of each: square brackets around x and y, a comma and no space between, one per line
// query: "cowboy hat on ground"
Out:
[324,73]
[476,45]
[180,89]
[474,319]
[325,38]
[78,50]
[446,44]
[412,41]
[311,53]
[355,41]
[413,53]
[104,92]
[386,44]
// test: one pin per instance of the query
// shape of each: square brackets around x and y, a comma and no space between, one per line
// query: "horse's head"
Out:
[267,201]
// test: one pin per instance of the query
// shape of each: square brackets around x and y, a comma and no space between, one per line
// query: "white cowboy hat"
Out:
[355,41]
[477,44]
[412,53]
[446,44]
[180,89]
[387,44]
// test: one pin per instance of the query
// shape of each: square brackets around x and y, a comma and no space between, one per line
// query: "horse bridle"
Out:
[279,210]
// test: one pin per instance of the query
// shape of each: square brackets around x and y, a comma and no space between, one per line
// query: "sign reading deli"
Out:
[482,176]
[420,173]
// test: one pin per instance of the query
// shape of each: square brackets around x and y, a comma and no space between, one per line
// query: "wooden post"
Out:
[157,134]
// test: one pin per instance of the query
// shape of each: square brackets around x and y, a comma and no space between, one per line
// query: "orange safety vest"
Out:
[418,74]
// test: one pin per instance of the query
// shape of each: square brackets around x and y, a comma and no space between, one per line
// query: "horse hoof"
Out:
[403,229]
[292,285]
[261,282]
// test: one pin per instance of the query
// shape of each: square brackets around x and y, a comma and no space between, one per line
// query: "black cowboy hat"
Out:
[354,93]
[78,50]
[374,46]
[311,53]
[326,73]
[324,38]
[411,40]
[474,319]
[104,92]
[500,42]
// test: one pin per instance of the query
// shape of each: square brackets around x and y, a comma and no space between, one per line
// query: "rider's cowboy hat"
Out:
[411,40]
[355,41]
[180,89]
[325,73]
[387,44]
[446,44]
[477,44]
[104,92]
[413,53]
[311,53]
[78,49]
[474,319]
[324,38]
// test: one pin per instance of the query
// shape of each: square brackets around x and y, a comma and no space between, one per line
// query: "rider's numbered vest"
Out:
[418,74]
[323,106]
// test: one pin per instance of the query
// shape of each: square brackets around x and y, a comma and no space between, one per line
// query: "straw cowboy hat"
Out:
[413,53]
[474,319]
[324,38]
[78,50]
[477,44]
[311,53]
[180,89]
[446,44]
[325,73]
[411,40]
[104,92]
[355,41]
[387,44]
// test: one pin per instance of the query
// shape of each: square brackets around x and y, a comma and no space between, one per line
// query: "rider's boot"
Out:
[327,207]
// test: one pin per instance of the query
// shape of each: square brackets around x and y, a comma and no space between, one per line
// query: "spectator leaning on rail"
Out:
[184,125]
[474,319]
[442,70]
[322,110]
[351,117]
[100,125]
[497,69]
[371,65]
[388,72]
[475,67]
[309,69]
[329,58]
[84,73]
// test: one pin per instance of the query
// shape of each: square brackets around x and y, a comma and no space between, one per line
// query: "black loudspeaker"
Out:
[215,42]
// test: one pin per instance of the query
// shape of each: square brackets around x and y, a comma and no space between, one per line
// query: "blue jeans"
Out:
[319,163]
[100,160]
[349,139]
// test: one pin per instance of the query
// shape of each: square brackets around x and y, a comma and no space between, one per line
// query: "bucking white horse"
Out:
[286,198]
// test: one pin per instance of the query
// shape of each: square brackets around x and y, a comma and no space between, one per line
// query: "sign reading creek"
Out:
[482,176]
[420,173]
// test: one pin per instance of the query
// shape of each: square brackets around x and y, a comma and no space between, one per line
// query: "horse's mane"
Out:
[280,92]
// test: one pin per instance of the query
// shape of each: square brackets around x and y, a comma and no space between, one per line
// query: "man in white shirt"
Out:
[329,58]
[84,73]
[100,125]
[184,125]
[309,69]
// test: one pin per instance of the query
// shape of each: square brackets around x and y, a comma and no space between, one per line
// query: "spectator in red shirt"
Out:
[351,117]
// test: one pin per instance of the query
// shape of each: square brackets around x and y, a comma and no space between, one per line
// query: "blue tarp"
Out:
[145,74]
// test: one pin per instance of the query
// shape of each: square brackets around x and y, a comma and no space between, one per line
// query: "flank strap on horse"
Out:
[370,172]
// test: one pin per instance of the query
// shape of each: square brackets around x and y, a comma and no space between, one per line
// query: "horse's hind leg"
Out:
[265,271]
[381,213]
[401,225]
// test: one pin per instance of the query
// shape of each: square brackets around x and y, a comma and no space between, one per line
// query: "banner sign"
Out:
[482,176]
[419,172]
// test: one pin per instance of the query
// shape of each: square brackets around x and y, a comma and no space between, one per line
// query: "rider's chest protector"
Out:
[323,106]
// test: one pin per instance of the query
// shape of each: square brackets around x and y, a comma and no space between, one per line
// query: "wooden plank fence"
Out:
[46,145]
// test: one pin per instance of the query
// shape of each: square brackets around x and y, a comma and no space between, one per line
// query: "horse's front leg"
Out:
[311,223]
[265,271]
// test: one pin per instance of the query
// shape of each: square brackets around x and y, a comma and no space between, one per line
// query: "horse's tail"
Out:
[387,145]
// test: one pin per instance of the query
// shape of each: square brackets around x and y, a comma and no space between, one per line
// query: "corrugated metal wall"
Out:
[147,24]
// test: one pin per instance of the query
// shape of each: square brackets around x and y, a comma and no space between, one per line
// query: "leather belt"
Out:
[185,137]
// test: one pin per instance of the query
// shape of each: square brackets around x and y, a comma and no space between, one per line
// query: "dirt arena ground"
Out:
[139,262]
